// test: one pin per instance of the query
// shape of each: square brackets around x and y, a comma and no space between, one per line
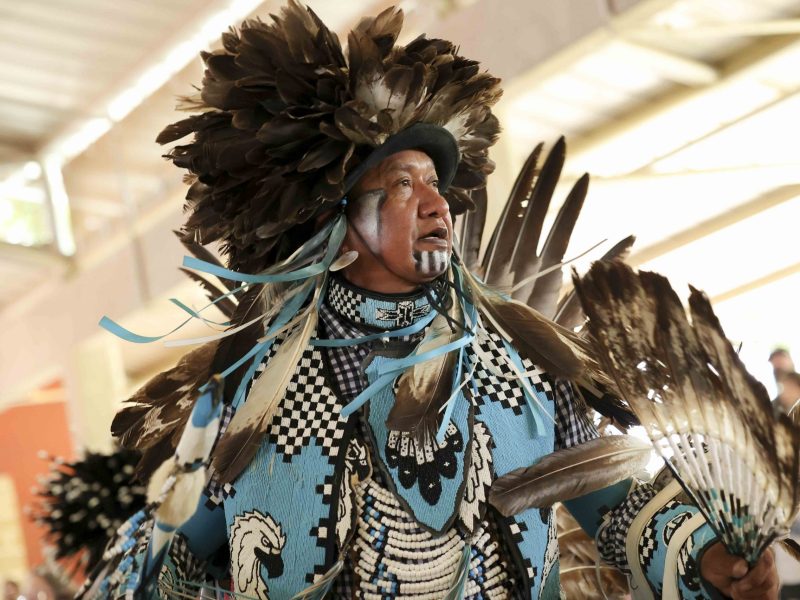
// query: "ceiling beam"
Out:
[757,283]
[704,228]
[738,66]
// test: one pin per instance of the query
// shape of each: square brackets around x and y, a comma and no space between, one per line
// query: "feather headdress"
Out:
[288,117]
[710,420]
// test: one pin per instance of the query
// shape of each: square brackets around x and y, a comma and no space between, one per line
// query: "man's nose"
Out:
[432,203]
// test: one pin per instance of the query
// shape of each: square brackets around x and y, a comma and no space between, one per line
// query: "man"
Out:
[357,451]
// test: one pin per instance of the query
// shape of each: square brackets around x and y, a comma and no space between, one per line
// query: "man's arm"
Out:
[187,559]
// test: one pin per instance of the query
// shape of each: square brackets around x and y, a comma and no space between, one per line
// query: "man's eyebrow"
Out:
[405,167]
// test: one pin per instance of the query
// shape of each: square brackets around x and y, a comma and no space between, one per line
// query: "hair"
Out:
[778,352]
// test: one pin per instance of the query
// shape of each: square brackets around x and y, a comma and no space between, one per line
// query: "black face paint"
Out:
[431,263]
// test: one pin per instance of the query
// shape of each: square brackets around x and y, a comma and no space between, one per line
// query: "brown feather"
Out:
[791,547]
[547,345]
[163,404]
[497,259]
[213,293]
[580,582]
[543,292]
[253,419]
[569,473]
[470,226]
[525,256]
[569,313]
[424,388]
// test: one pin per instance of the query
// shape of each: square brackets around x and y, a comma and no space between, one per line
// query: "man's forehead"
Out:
[406,160]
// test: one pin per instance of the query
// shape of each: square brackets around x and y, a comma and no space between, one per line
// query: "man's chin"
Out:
[430,264]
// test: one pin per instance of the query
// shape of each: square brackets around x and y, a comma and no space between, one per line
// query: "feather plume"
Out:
[569,473]
[555,349]
[544,291]
[252,420]
[425,387]
[470,227]
[497,259]
[581,572]
[706,415]
[511,258]
[569,313]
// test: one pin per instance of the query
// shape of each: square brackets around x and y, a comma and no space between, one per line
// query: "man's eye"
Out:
[435,183]
[404,182]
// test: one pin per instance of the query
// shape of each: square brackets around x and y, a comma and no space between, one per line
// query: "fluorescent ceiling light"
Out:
[84,135]
[153,78]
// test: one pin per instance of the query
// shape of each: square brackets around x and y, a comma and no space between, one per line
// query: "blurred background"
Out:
[685,112]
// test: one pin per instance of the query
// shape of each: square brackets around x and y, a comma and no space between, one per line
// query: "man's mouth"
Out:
[436,237]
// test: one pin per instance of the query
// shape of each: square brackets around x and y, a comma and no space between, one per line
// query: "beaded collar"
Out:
[381,311]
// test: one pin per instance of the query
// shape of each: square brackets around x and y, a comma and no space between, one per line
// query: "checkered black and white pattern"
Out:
[215,492]
[345,300]
[380,311]
[611,537]
[490,387]
[309,409]
[344,363]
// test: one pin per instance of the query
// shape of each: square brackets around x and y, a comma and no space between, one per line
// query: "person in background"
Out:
[782,365]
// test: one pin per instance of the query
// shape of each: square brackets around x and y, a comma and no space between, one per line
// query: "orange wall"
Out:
[24,431]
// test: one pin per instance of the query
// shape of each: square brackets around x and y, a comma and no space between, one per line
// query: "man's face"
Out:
[399,224]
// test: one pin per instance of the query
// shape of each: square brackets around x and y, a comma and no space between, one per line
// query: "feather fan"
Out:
[568,473]
[709,419]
